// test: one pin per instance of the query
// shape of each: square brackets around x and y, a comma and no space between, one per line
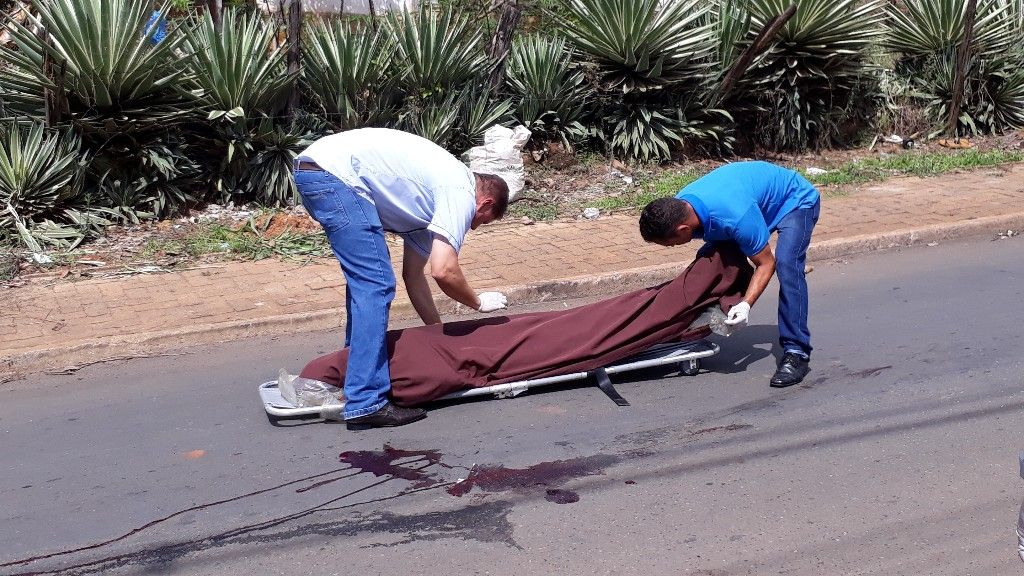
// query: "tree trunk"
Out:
[53,100]
[760,43]
[501,42]
[294,52]
[216,8]
[962,59]
[373,15]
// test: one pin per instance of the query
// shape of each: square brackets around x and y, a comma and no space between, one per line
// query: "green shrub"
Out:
[925,36]
[552,98]
[349,71]
[651,62]
[40,172]
[805,85]
[240,90]
[441,69]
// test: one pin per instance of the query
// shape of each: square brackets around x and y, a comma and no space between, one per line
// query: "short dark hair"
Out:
[660,217]
[495,187]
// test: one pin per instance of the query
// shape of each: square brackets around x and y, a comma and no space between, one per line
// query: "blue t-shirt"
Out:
[745,201]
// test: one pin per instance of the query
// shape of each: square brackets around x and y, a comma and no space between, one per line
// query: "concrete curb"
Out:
[835,248]
[105,349]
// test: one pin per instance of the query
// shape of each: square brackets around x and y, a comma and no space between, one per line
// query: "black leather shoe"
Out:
[389,415]
[791,370]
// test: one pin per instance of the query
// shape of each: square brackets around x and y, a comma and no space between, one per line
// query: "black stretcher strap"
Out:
[605,384]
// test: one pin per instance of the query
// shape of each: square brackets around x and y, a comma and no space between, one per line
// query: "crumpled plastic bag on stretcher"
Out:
[306,392]
[502,155]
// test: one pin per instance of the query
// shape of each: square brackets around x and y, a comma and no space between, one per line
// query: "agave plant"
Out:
[154,180]
[350,73]
[731,22]
[270,168]
[1006,94]
[458,120]
[440,68]
[73,227]
[812,71]
[40,171]
[436,120]
[551,93]
[436,51]
[641,44]
[40,178]
[20,93]
[252,160]
[121,92]
[645,56]
[992,99]
[924,27]
[241,88]
[98,58]
[478,111]
[926,36]
[232,68]
[651,133]
[646,133]
[1014,14]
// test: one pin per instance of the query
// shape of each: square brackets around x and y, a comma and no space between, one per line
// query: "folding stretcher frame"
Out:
[686,354]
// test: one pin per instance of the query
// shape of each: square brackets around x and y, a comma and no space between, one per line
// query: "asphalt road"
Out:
[897,456]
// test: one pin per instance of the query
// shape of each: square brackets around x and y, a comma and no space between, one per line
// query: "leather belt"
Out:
[305,165]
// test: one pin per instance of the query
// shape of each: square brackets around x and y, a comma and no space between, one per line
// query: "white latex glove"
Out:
[738,314]
[491,301]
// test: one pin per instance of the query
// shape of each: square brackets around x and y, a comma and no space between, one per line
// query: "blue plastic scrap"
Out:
[155,19]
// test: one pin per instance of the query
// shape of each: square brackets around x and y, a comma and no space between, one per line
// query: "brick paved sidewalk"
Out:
[61,323]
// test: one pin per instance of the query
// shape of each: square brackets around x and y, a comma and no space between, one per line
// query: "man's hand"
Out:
[491,301]
[738,314]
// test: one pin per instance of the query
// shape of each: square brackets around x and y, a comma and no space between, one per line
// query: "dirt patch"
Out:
[276,224]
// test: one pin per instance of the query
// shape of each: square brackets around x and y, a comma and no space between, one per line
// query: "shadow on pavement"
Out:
[744,348]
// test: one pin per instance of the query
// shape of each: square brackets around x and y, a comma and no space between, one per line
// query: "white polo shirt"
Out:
[418,188]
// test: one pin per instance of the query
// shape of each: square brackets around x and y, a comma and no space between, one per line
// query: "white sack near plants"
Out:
[502,155]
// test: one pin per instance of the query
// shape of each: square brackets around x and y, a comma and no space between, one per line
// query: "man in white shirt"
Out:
[359,184]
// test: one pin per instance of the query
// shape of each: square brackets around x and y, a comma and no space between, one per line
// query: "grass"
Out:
[8,264]
[667,184]
[532,208]
[246,242]
[670,184]
[867,170]
[912,164]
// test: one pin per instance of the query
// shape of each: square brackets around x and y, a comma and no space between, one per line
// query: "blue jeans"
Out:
[357,238]
[790,258]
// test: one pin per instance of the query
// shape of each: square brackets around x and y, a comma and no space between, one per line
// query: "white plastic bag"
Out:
[502,155]
[305,392]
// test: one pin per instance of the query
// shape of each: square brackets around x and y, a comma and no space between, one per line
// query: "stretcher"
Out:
[687,355]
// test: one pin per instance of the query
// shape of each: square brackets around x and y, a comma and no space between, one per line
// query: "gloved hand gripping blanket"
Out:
[428,362]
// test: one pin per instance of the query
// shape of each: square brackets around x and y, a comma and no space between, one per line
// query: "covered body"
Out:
[429,362]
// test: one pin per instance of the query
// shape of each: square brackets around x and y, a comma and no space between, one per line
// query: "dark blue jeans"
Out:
[357,238]
[790,258]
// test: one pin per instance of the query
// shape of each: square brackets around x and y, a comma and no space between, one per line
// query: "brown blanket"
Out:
[428,362]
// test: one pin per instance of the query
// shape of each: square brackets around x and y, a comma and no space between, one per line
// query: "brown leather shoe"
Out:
[389,415]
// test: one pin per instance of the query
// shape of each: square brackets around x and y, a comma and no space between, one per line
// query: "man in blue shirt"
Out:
[744,202]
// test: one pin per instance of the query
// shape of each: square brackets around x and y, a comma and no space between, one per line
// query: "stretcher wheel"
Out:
[689,367]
